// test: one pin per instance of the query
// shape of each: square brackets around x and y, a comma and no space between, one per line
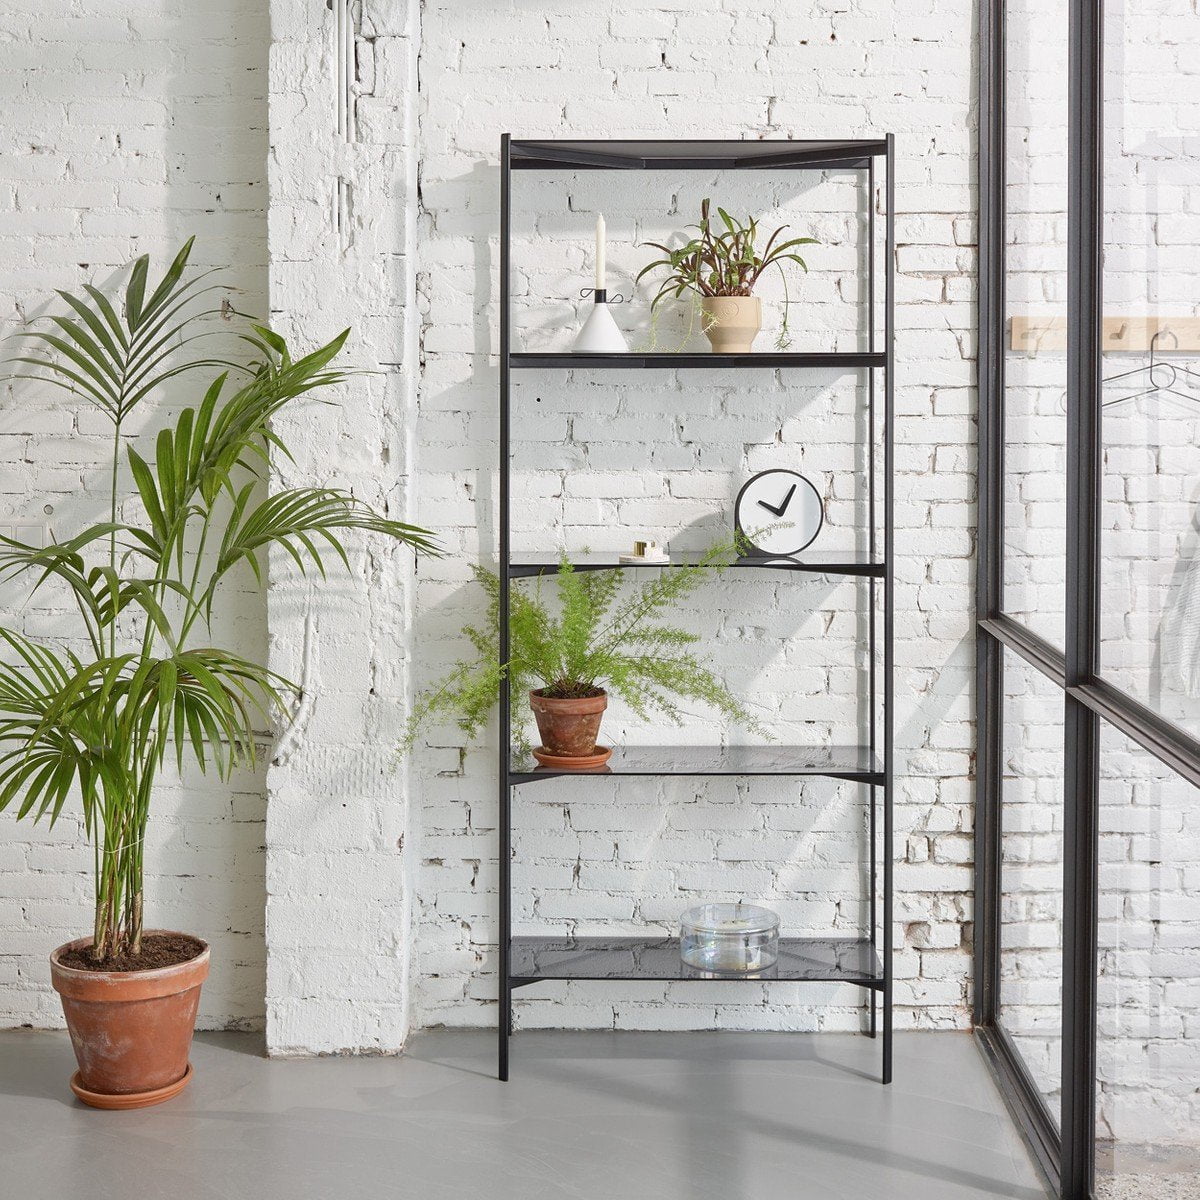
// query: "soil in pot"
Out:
[131,1029]
[158,950]
[569,726]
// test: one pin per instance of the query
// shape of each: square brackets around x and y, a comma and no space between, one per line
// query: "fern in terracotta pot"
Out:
[140,687]
[568,655]
[721,265]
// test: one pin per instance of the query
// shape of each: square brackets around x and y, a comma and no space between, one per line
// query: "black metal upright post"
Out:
[889,388]
[504,933]
[872,592]
[1081,777]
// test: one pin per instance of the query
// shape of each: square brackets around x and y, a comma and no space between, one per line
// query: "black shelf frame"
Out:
[866,962]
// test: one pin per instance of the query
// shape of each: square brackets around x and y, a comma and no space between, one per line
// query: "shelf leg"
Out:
[887,1044]
[504,1030]
[504,1017]
[889,607]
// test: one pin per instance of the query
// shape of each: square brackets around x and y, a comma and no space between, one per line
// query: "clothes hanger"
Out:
[1163,377]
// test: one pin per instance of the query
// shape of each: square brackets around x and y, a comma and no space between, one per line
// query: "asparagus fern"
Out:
[585,640]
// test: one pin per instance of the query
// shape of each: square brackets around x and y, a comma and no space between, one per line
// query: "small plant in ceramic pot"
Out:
[722,264]
[140,687]
[569,656]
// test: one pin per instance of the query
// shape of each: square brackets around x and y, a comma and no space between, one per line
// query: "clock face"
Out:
[779,512]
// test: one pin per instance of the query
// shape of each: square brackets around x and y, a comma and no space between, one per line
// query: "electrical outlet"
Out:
[32,533]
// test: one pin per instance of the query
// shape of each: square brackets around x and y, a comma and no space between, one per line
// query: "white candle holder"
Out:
[600,334]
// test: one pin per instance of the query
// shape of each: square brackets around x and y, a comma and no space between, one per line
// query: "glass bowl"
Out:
[736,938]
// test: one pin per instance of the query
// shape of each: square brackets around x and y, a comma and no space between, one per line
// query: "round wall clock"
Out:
[778,512]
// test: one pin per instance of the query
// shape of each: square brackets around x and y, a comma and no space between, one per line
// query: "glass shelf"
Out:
[820,563]
[807,960]
[844,359]
[648,155]
[834,762]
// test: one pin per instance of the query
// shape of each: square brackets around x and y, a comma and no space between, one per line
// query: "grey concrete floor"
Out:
[587,1116]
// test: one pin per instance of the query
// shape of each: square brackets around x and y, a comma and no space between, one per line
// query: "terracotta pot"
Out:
[131,1030]
[731,323]
[569,728]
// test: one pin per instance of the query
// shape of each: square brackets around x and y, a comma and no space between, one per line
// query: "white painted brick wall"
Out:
[343,201]
[344,254]
[176,145]
[615,456]
[125,129]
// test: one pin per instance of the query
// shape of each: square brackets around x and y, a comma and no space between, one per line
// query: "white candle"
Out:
[600,252]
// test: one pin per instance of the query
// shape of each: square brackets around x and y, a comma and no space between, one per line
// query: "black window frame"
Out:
[1066,1151]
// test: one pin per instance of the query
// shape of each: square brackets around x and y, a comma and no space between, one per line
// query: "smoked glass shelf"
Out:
[833,762]
[814,563]
[844,359]
[807,960]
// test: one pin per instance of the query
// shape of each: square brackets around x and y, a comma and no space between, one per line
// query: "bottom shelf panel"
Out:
[809,960]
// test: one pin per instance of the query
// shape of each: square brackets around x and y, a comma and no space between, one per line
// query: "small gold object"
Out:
[645,552]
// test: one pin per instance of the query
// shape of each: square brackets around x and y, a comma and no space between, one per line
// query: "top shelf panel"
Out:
[694,156]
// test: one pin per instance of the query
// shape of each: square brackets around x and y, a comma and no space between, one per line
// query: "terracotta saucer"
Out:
[123,1100]
[582,762]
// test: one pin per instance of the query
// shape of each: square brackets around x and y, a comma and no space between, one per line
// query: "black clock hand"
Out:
[783,507]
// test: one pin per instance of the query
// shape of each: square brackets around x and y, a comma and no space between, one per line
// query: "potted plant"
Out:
[568,657]
[722,264]
[100,716]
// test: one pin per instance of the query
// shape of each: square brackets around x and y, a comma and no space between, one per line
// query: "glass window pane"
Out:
[1148,1009]
[1151,418]
[1032,873]
[1036,292]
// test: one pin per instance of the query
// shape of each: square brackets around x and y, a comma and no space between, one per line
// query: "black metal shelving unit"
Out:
[866,961]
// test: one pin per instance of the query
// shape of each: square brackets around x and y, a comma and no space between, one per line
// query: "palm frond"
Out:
[116,360]
[301,520]
[44,750]
[101,727]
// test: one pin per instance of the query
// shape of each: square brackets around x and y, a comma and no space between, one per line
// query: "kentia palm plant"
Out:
[722,264]
[101,723]
[568,660]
